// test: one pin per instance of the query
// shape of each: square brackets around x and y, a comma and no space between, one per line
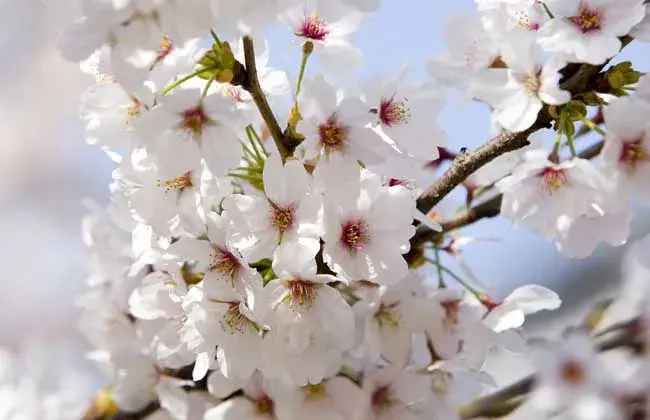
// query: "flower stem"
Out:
[307,49]
[593,126]
[547,10]
[185,78]
[441,280]
[215,38]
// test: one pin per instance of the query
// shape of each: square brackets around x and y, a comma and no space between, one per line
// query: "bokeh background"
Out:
[46,170]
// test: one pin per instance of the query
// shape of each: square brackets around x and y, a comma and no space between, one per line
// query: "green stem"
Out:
[307,49]
[256,159]
[254,139]
[548,11]
[572,147]
[593,126]
[185,78]
[215,38]
[206,88]
[455,276]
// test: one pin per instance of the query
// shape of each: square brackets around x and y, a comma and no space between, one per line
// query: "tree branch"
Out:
[466,163]
[284,144]
[485,210]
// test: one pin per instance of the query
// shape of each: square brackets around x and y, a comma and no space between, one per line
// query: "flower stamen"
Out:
[313,28]
[333,134]
[587,19]
[552,179]
[354,236]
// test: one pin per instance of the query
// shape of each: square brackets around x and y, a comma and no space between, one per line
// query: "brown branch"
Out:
[466,163]
[284,144]
[487,209]
[577,78]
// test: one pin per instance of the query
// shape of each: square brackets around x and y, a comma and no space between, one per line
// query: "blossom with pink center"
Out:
[337,135]
[518,92]
[571,377]
[210,120]
[162,188]
[288,209]
[406,113]
[258,399]
[222,331]
[390,316]
[310,323]
[470,49]
[501,17]
[215,259]
[365,236]
[396,393]
[543,195]
[327,24]
[626,154]
[588,30]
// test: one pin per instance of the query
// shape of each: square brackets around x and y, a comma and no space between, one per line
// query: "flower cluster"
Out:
[260,255]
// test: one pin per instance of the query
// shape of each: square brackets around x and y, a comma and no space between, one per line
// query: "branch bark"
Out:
[466,163]
[284,144]
[487,209]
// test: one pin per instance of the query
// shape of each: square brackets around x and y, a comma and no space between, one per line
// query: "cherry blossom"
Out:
[518,92]
[588,31]
[287,210]
[626,154]
[273,253]
[357,232]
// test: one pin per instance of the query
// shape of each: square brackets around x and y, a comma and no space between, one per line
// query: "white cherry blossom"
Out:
[327,24]
[310,322]
[626,153]
[541,194]
[518,92]
[287,210]
[589,30]
[365,237]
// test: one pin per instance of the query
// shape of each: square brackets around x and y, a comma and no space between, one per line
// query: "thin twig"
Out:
[252,85]
[466,163]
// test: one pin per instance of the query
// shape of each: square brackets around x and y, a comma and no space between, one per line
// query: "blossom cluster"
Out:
[256,259]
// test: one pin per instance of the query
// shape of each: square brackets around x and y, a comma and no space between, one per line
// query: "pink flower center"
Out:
[633,154]
[587,19]
[194,119]
[572,372]
[382,398]
[333,134]
[313,28]
[354,236]
[452,312]
[179,183]
[392,112]
[302,293]
[552,179]
[282,218]
[224,262]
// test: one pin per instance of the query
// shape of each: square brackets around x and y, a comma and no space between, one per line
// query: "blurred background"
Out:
[46,169]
